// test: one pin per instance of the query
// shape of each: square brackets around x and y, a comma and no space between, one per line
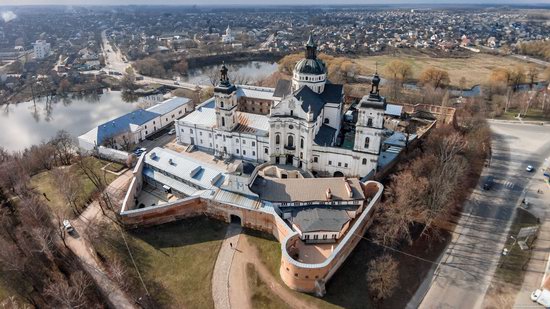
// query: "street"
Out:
[469,263]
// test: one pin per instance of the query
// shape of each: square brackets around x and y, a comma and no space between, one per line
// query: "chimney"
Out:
[328,194]
[348,188]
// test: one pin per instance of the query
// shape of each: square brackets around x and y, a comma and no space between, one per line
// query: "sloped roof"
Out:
[283,88]
[325,136]
[332,93]
[169,105]
[298,190]
[122,124]
[320,219]
[252,124]
[311,99]
[204,115]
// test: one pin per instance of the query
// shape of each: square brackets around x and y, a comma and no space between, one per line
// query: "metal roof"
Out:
[240,200]
[185,168]
[169,105]
[255,92]
[252,124]
[393,110]
[204,115]
[122,124]
[320,219]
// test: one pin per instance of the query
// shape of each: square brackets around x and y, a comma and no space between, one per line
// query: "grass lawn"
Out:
[348,287]
[44,183]
[262,297]
[176,260]
[511,266]
[533,114]
[476,69]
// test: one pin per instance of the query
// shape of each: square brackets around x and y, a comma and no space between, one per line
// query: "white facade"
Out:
[41,49]
[228,38]
[297,123]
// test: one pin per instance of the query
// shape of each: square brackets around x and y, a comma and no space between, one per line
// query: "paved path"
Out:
[468,264]
[536,268]
[85,253]
[220,278]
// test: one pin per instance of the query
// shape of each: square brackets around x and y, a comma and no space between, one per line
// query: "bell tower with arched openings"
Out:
[225,95]
[370,120]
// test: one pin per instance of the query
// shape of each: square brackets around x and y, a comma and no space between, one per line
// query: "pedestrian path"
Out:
[220,278]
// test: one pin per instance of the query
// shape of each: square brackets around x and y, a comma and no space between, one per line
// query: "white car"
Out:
[535,295]
[530,168]
[172,132]
[68,227]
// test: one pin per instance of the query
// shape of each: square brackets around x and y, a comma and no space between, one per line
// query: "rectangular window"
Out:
[191,131]
[339,164]
[315,237]
[329,162]
[306,236]
[315,159]
[244,152]
[253,144]
[346,165]
[266,150]
[244,142]
[325,236]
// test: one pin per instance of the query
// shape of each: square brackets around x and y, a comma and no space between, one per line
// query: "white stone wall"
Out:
[314,82]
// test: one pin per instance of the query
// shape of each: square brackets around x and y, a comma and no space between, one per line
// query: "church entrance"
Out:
[289,159]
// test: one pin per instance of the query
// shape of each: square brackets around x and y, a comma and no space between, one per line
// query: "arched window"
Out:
[327,121]
[223,122]
[364,161]
[367,141]
[302,142]
[221,104]
[369,122]
[277,139]
[290,140]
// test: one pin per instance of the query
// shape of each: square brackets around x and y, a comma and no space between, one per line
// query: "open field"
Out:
[476,69]
[44,183]
[176,260]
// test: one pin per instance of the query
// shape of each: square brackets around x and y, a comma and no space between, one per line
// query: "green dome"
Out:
[310,66]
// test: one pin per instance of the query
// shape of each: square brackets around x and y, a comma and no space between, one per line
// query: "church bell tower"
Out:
[225,95]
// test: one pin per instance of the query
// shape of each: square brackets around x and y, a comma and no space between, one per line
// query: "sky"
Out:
[256,2]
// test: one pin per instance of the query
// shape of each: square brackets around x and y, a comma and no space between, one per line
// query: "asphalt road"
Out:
[469,262]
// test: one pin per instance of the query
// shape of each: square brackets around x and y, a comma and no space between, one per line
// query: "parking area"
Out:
[158,140]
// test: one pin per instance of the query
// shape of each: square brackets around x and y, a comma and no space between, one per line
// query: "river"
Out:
[25,124]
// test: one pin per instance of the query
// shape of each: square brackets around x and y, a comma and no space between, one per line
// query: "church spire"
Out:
[311,48]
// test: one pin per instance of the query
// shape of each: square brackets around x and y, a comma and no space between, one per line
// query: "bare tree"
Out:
[70,186]
[64,147]
[382,276]
[72,293]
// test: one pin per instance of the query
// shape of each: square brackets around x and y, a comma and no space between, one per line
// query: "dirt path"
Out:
[86,254]
[239,293]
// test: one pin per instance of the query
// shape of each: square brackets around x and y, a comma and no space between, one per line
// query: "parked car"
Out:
[67,226]
[139,151]
[172,132]
[530,168]
[488,183]
[542,297]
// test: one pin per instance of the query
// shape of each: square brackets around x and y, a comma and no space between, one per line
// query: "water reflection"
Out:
[28,123]
[253,71]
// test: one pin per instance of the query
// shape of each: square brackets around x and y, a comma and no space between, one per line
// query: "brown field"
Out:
[476,68]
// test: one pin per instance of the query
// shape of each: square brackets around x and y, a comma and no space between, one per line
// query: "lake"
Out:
[253,70]
[26,124]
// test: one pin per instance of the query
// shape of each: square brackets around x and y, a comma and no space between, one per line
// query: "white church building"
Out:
[297,123]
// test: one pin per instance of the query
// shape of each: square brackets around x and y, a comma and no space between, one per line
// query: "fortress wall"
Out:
[311,278]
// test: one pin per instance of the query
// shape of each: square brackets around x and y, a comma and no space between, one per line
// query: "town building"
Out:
[42,49]
[297,123]
[130,129]
[228,37]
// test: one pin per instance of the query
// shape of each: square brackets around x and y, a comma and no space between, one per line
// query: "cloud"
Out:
[8,16]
